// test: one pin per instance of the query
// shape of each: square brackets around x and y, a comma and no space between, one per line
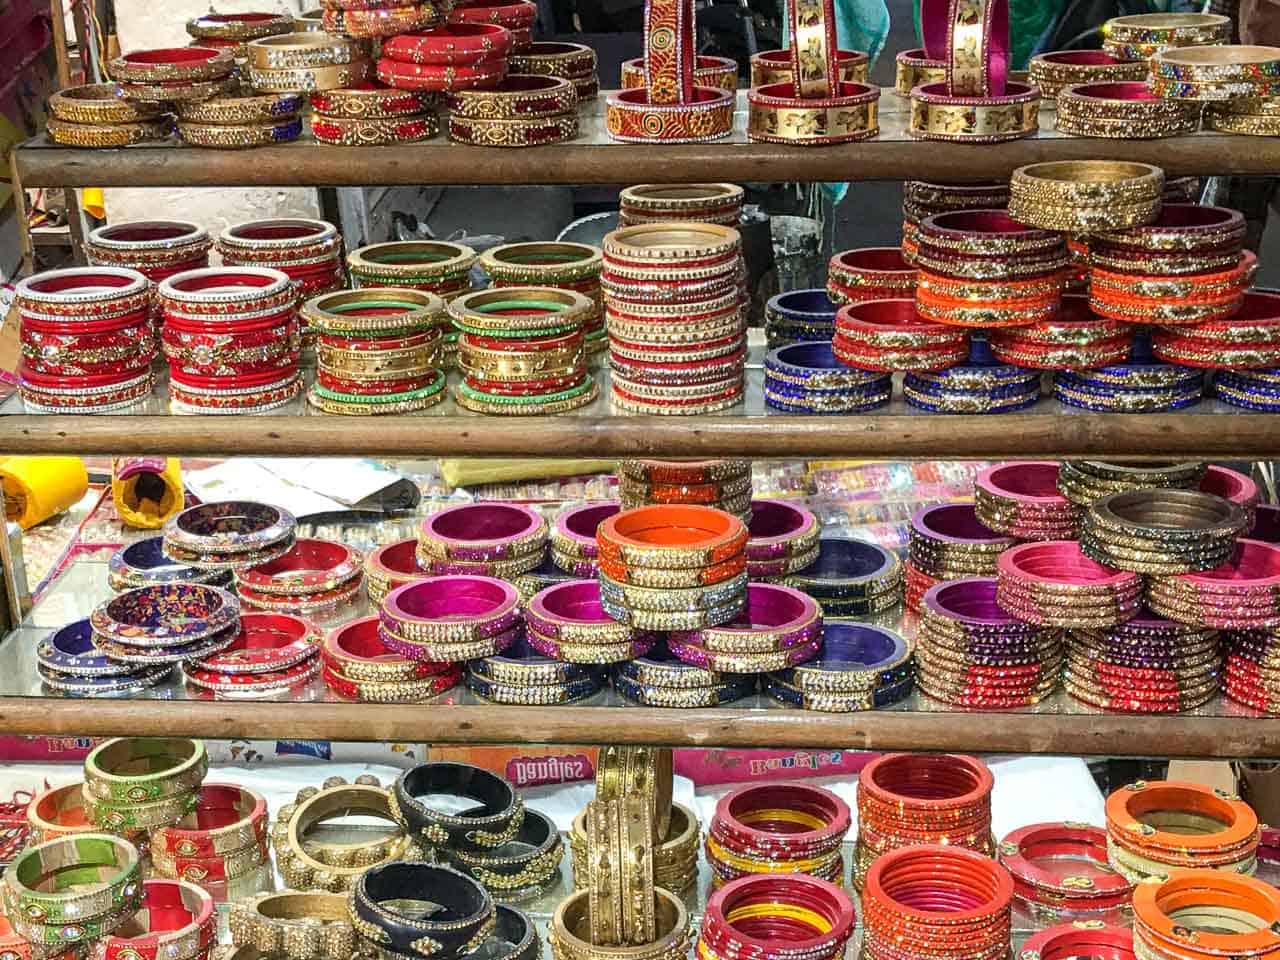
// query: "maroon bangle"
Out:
[458,44]
[310,566]
[1105,942]
[743,820]
[413,76]
[509,15]
[172,64]
[407,130]
[369,100]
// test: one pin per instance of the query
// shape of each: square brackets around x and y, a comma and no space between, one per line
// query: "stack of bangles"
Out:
[1138,386]
[1021,499]
[312,925]
[1084,481]
[777,917]
[1098,939]
[1053,584]
[1209,299]
[241,119]
[137,783]
[450,618]
[233,31]
[1061,869]
[851,578]
[906,799]
[789,828]
[574,62]
[569,622]
[68,661]
[51,919]
[174,74]
[315,576]
[1249,340]
[980,268]
[982,384]
[220,846]
[808,377]
[514,16]
[231,338]
[573,537]
[674,303]
[1075,339]
[489,539]
[971,653]
[391,565]
[1239,595]
[708,71]
[1238,488]
[915,67]
[922,200]
[524,677]
[659,679]
[96,115]
[730,491]
[949,542]
[799,316]
[361,18]
[411,64]
[1142,36]
[521,352]
[1162,532]
[177,919]
[1062,69]
[1251,389]
[229,535]
[936,900]
[673,567]
[371,114]
[60,812]
[521,111]
[157,249]
[718,203]
[570,933]
[1161,827]
[1086,196]
[567,266]
[1235,916]
[308,252]
[357,664]
[776,66]
[783,539]
[779,628]
[378,351]
[1145,665]
[1252,675]
[1216,73]
[870,273]
[156,627]
[675,855]
[859,667]
[86,340]
[306,61]
[1243,115]
[1118,109]
[271,652]
[885,336]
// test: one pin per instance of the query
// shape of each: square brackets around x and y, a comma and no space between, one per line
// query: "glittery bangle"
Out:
[442,79]
[406,128]
[516,98]
[241,110]
[687,698]
[309,79]
[100,103]
[382,22]
[775,115]
[776,618]
[1147,34]
[107,135]
[1052,72]
[512,133]
[240,136]
[177,64]
[630,117]
[175,91]
[239,27]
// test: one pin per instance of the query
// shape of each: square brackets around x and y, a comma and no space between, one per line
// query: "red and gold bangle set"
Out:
[372,115]
[718,203]
[157,249]
[314,577]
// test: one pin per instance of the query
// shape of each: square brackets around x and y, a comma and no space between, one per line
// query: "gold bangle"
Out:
[175,92]
[294,51]
[774,66]
[543,264]
[658,242]
[571,931]
[302,926]
[127,815]
[852,114]
[604,874]
[228,137]
[333,866]
[242,108]
[1125,129]
[515,371]
[1168,29]
[534,409]
[513,133]
[567,60]
[1088,181]
[126,69]
[375,103]
[100,103]
[914,70]
[641,772]
[540,98]
[407,128]
[107,135]
[308,79]
[468,310]
[1252,125]
[231,27]
[415,261]
[1054,75]
[1211,65]
[339,313]
[635,845]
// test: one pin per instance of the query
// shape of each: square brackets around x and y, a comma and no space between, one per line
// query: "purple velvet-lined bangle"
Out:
[743,663]
[579,569]
[971,602]
[70,651]
[166,614]
[229,526]
[775,618]
[854,657]
[571,612]
[779,529]
[438,652]
[484,605]
[574,533]
[480,532]
[783,566]
[956,524]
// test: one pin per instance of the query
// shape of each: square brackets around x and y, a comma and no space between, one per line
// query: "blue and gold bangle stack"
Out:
[523,677]
[851,578]
[806,377]
[660,680]
[983,385]
[799,315]
[1143,385]
[861,667]
[1251,389]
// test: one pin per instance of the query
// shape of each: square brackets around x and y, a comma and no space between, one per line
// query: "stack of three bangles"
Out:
[357,664]
[491,539]
[524,676]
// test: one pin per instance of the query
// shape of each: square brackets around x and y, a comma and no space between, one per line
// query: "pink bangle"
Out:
[779,529]
[482,532]
[451,609]
[1232,485]
[938,115]
[458,44]
[776,618]
[179,921]
[978,53]
[1255,568]
[571,613]
[574,533]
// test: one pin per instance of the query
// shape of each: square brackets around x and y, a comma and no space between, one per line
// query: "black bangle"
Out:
[514,874]
[465,918]
[493,822]
[515,938]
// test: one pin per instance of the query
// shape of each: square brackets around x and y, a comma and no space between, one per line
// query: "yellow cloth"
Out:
[37,488]
[468,473]
[146,513]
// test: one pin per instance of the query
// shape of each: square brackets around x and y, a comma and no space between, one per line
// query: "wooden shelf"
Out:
[593,158]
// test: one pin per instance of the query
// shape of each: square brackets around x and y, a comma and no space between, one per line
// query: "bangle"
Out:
[157,768]
[775,829]
[706,116]
[914,69]
[448,79]
[569,61]
[294,51]
[176,920]
[382,21]
[309,79]
[648,536]
[708,71]
[241,109]
[170,65]
[411,263]
[641,773]
[418,690]
[310,566]
[493,820]
[180,90]
[538,861]
[379,312]
[332,866]
[1141,36]
[1055,72]
[848,114]
[390,566]
[462,899]
[570,613]
[101,104]
[770,67]
[239,27]
[688,698]
[870,273]
[855,658]
[482,532]
[520,312]
[365,132]
[716,203]
[233,137]
[512,15]
[460,44]
[543,264]
[368,101]
[107,135]
[357,652]
[233,526]
[776,618]
[978,61]
[308,926]
[516,98]
[948,541]
[236,818]
[513,133]
[938,115]
[570,934]
[427,611]
[58,812]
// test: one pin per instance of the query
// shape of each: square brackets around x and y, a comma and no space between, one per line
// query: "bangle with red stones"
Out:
[516,98]
[460,44]
[365,132]
[82,292]
[369,101]
[513,133]
[416,76]
[870,273]
[220,291]
[784,825]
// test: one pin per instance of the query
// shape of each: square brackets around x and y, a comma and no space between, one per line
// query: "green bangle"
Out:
[73,889]
[522,334]
[548,305]
[430,390]
[140,769]
[128,815]
[569,394]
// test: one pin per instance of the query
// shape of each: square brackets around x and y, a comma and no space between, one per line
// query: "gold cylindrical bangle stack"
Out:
[241,119]
[675,858]
[1217,73]
[718,203]
[306,62]
[1251,116]
[1142,36]
[1054,72]
[95,115]
[568,266]
[522,111]
[1084,481]
[1122,110]
[1085,196]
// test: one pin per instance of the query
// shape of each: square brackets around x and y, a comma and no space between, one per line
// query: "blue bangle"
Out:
[100,686]
[1247,399]
[827,404]
[1246,381]
[959,386]
[70,652]
[811,306]
[1134,376]
[971,403]
[854,657]
[848,569]
[1116,404]
[540,695]
[683,698]
[143,564]
[661,668]
[883,383]
[882,696]
[852,609]
[812,364]
[521,665]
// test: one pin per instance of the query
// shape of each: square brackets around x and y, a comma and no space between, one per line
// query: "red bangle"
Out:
[414,76]
[226,819]
[373,388]
[173,64]
[459,44]
[525,388]
[509,15]
[426,338]
[425,687]
[266,378]
[565,342]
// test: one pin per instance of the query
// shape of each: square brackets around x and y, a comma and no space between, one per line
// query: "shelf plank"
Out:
[1221,737]
[592,158]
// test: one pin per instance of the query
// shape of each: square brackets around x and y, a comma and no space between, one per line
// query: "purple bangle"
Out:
[166,614]
[849,569]
[70,652]
[482,532]
[783,566]
[229,526]
[574,533]
[451,609]
[971,602]
[955,524]
[428,652]
[579,569]
[743,663]
[853,657]
[775,618]
[571,612]
[143,564]
[99,686]
[779,529]
[637,646]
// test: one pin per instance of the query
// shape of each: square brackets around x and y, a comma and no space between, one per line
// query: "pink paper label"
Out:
[711,767]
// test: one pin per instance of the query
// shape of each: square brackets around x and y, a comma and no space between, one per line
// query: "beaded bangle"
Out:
[239,136]
[178,64]
[109,135]
[100,103]
[307,926]
[513,133]
[406,128]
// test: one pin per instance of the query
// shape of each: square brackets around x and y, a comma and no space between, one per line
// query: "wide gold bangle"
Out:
[231,27]
[119,816]
[308,79]
[852,113]
[546,364]
[658,242]
[107,135]
[312,865]
[142,68]
[294,51]
[675,859]
[641,772]
[416,363]
[1253,125]
[177,92]
[1053,72]
[556,308]
[513,133]
[635,844]
[411,261]
[100,103]
[914,69]
[604,871]
[301,926]
[570,933]
[1085,183]
[530,98]
[938,116]
[774,66]
[542,264]
[240,136]
[1240,64]
[242,108]
[1140,36]
[371,132]
[1131,129]
[356,312]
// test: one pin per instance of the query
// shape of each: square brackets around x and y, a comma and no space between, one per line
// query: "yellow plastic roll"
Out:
[37,488]
[147,490]
[468,473]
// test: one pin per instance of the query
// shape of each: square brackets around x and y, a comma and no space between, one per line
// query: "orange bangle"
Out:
[1126,807]
[1155,903]
[671,536]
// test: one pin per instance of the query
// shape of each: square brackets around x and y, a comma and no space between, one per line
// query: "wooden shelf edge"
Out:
[1053,435]
[1070,734]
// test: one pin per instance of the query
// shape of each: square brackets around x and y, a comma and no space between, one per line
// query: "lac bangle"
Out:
[240,136]
[512,15]
[708,116]
[310,566]
[775,618]
[294,51]
[1182,531]
[241,110]
[357,652]
[685,471]
[574,531]
[109,135]
[675,698]
[570,934]
[1101,108]
[914,68]
[466,918]
[779,529]
[382,22]
[937,115]
[1052,72]
[513,133]
[545,59]
[520,312]
[143,563]
[869,273]
[69,652]
[305,925]
[356,133]
[1141,36]
[309,79]
[776,115]
[176,920]
[491,821]
[708,71]
[775,66]
[747,915]
[1021,499]
[537,863]
[186,64]
[482,532]
[432,610]
[165,614]
[518,97]
[239,27]
[638,644]
[850,570]
[671,537]
[949,539]
[58,812]
[459,44]
[370,101]
[136,770]
[441,79]
[173,91]
[100,104]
